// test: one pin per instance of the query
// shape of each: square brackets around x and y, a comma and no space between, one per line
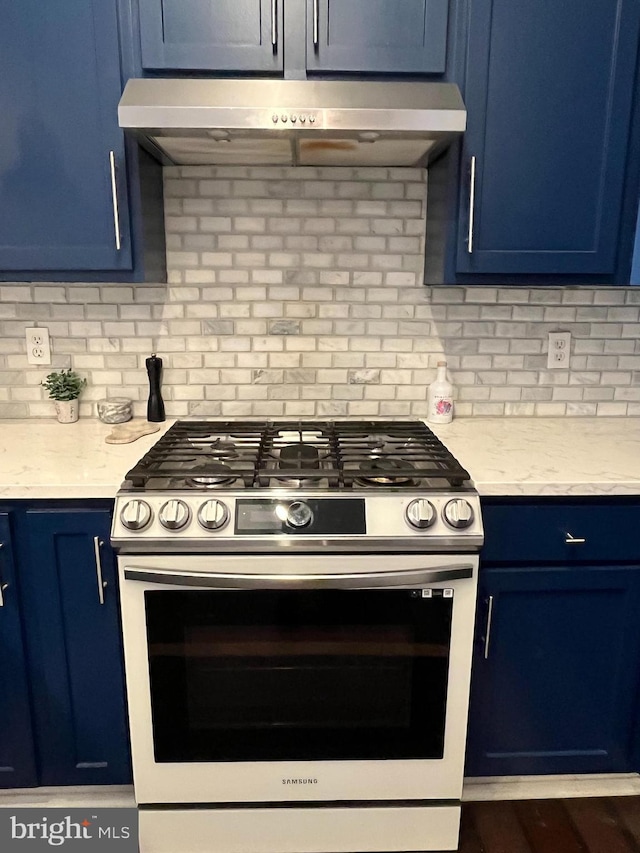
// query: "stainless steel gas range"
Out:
[298,602]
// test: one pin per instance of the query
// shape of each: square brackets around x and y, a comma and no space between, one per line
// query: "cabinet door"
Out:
[75,648]
[212,35]
[382,36]
[17,758]
[549,92]
[555,674]
[60,72]
[635,266]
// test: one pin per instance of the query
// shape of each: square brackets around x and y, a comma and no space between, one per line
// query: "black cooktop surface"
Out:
[214,455]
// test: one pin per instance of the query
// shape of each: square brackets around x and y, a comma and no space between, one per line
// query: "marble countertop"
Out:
[547,456]
[40,458]
[505,456]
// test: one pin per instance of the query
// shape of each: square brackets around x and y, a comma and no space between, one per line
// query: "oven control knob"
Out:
[213,515]
[174,514]
[136,515]
[458,513]
[299,514]
[421,513]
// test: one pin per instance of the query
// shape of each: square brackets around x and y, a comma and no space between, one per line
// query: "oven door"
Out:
[270,678]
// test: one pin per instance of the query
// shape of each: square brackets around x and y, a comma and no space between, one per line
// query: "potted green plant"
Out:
[64,388]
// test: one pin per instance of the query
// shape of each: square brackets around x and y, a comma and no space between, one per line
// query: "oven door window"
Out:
[298,675]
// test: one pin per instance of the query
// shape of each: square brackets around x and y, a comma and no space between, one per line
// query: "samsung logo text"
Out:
[299,781]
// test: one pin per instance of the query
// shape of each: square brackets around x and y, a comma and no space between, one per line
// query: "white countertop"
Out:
[505,456]
[547,456]
[41,458]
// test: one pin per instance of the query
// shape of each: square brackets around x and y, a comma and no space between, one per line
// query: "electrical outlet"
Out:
[38,345]
[559,350]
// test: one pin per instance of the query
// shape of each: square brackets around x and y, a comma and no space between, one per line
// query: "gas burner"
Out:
[215,445]
[295,464]
[383,471]
[298,436]
[217,474]
[187,463]
[298,456]
[209,482]
[289,482]
[221,451]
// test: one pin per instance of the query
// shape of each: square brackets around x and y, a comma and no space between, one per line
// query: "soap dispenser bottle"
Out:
[155,405]
[440,398]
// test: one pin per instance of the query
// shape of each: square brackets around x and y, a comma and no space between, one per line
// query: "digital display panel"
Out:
[328,516]
[255,516]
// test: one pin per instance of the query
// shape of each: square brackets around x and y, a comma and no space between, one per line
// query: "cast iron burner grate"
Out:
[309,454]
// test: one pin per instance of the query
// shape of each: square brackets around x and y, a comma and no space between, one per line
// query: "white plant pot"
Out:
[67,411]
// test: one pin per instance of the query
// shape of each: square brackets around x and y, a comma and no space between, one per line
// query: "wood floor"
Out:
[586,825]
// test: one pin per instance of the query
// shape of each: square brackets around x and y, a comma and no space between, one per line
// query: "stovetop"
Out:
[294,486]
[309,455]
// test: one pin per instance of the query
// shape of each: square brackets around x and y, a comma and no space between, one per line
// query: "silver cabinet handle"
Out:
[274,23]
[487,633]
[114,198]
[3,586]
[472,204]
[316,19]
[355,580]
[573,540]
[97,544]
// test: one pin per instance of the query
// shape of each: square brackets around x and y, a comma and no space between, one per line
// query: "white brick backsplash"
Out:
[219,359]
[233,242]
[379,359]
[284,359]
[316,359]
[298,292]
[620,347]
[397,345]
[609,297]
[348,359]
[252,392]
[315,392]
[271,344]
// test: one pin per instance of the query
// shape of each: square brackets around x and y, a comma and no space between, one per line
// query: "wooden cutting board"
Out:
[132,430]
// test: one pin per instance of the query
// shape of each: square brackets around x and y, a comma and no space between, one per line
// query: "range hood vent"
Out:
[292,122]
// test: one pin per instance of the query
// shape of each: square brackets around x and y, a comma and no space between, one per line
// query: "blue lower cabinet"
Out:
[17,752]
[556,671]
[71,615]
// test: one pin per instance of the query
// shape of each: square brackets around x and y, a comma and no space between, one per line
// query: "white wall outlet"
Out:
[559,350]
[38,345]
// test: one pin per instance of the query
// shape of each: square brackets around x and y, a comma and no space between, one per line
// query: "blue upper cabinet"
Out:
[380,36]
[262,36]
[62,179]
[212,35]
[72,620]
[635,266]
[17,752]
[549,92]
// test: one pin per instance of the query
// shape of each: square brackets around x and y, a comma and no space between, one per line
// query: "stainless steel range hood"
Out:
[292,122]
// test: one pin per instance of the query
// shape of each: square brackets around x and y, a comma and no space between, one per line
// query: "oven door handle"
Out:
[358,580]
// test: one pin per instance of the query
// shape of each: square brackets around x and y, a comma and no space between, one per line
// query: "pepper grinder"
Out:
[155,406]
